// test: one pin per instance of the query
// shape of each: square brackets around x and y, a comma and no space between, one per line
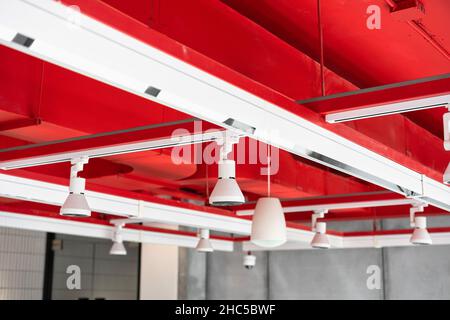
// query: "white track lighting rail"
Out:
[115,150]
[42,29]
[339,206]
[389,109]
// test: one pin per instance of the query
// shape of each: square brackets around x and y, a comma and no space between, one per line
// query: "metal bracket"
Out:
[77,166]
[318,214]
[447,129]
[417,207]
[117,234]
[226,144]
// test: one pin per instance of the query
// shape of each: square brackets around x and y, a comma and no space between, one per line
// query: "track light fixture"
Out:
[76,204]
[420,234]
[320,239]
[227,191]
[269,223]
[118,248]
[249,261]
[204,245]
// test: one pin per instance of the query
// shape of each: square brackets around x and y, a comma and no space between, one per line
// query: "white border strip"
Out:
[84,229]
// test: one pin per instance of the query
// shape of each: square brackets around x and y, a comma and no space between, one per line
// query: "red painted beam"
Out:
[366,98]
[19,123]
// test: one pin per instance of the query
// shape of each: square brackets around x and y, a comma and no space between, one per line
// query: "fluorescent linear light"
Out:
[188,89]
[388,109]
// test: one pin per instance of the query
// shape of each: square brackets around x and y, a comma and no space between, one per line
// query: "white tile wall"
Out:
[22,258]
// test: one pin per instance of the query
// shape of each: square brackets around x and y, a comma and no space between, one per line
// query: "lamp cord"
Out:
[269,164]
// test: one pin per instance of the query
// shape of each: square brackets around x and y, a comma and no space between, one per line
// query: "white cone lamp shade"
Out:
[269,224]
[227,191]
[118,248]
[420,234]
[320,240]
[76,204]
[204,245]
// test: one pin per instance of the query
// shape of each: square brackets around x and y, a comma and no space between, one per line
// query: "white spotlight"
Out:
[447,175]
[204,245]
[269,224]
[76,204]
[249,261]
[420,235]
[320,239]
[227,191]
[118,248]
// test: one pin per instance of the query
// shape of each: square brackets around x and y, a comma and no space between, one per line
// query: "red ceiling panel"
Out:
[269,41]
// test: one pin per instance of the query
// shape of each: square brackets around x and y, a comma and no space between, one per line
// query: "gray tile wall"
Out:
[102,275]
[22,259]
[406,272]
